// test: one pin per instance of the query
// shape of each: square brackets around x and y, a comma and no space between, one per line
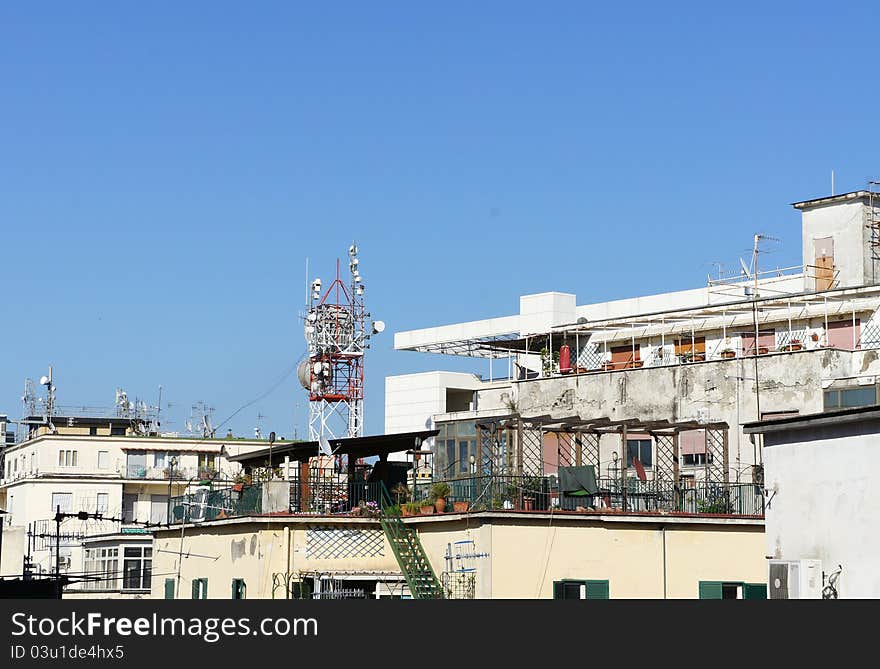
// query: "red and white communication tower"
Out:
[338,330]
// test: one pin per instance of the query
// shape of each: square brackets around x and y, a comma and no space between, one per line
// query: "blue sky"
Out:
[166,168]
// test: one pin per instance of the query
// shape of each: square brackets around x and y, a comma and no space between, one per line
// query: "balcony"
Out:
[541,493]
[165,473]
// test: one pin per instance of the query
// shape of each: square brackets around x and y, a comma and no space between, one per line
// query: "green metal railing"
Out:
[535,493]
[408,550]
[220,503]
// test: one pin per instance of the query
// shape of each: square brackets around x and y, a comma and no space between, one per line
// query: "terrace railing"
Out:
[535,493]
[216,503]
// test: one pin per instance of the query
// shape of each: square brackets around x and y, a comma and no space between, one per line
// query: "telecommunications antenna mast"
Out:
[337,329]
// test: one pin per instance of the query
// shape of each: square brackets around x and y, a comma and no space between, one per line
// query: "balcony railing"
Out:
[220,503]
[166,473]
[536,493]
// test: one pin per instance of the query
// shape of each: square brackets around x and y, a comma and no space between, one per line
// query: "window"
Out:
[129,501]
[159,459]
[692,459]
[624,357]
[576,589]
[136,464]
[93,431]
[64,500]
[169,588]
[200,588]
[66,458]
[103,502]
[691,349]
[158,508]
[239,589]
[103,457]
[846,398]
[641,449]
[137,567]
[207,461]
[102,562]
[455,445]
[732,590]
[117,431]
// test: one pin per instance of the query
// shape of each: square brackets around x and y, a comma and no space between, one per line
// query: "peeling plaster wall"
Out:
[721,390]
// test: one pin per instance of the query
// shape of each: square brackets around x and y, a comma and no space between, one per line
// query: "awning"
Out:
[355,447]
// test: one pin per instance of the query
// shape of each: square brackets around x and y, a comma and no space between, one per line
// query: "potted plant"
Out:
[426,507]
[401,493]
[794,345]
[394,510]
[439,493]
[409,509]
[460,507]
[728,353]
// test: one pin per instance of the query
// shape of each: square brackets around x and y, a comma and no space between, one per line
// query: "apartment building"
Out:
[102,466]
[657,387]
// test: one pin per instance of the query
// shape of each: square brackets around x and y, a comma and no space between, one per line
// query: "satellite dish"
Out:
[324,446]
[378,326]
[303,373]
[44,380]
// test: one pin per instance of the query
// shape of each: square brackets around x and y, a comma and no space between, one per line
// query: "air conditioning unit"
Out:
[64,562]
[795,579]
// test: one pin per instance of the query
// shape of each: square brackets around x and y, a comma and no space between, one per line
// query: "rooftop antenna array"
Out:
[201,420]
[337,329]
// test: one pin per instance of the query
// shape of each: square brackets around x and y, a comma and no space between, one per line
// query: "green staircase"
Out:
[414,564]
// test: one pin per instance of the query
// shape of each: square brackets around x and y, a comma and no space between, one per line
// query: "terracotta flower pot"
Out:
[460,507]
[440,505]
[426,510]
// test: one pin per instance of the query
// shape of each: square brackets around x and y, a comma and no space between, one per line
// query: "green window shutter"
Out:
[204,588]
[754,591]
[558,590]
[710,589]
[238,588]
[598,590]
[169,588]
[195,588]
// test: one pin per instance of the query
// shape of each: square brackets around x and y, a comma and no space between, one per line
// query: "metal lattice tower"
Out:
[337,330]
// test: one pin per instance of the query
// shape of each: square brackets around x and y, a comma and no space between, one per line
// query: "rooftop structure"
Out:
[612,375]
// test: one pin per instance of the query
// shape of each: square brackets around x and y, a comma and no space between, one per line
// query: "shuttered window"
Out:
[578,589]
[200,588]
[732,590]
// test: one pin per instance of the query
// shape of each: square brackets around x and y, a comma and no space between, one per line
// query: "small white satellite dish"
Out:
[324,446]
[44,380]
[378,326]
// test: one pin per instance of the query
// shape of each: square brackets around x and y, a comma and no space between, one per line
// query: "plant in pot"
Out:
[401,493]
[426,507]
[409,509]
[460,506]
[439,493]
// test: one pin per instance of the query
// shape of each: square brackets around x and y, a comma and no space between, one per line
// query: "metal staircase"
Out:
[414,564]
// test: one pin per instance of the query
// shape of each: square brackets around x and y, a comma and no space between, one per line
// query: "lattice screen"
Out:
[329,543]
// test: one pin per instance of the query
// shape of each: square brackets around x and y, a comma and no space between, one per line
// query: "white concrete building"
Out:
[124,477]
[663,366]
[822,497]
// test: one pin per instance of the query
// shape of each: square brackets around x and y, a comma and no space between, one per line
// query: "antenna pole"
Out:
[159,410]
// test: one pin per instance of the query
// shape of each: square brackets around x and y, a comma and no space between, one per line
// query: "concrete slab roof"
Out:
[833,199]
[812,421]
